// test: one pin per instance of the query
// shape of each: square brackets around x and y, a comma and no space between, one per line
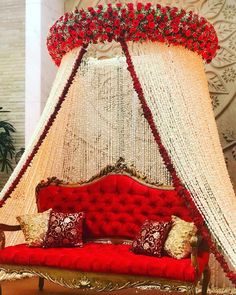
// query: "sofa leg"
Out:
[192,291]
[206,280]
[41,284]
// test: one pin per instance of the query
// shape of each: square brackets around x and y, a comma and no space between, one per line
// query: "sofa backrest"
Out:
[115,205]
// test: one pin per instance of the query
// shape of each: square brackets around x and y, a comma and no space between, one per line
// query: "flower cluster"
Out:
[129,22]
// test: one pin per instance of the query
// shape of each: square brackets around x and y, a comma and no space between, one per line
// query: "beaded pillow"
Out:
[151,238]
[34,227]
[177,244]
[64,230]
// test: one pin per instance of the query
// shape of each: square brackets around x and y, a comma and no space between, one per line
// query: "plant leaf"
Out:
[215,83]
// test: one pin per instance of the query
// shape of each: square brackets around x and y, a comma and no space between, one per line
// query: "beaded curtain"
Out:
[101,120]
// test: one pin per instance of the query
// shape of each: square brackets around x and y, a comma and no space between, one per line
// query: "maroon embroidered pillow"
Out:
[151,238]
[64,230]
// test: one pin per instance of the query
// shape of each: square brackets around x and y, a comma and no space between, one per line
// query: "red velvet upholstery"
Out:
[104,258]
[115,205]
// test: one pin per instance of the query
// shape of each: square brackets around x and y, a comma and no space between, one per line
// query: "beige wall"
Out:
[222,79]
[12,58]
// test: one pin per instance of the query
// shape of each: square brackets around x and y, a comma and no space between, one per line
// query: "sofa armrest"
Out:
[6,227]
[194,242]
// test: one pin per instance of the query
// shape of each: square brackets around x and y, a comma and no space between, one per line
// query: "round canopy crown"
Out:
[129,22]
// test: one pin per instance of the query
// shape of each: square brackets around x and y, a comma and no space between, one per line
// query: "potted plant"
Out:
[7,148]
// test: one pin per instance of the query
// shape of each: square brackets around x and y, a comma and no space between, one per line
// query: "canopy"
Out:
[157,114]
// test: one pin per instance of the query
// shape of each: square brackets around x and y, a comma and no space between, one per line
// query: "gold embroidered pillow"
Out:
[151,238]
[34,227]
[177,244]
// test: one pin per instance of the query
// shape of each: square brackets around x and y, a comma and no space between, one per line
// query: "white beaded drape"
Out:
[176,90]
[99,122]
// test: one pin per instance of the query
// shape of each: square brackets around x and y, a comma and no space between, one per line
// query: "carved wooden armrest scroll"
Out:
[5,227]
[194,243]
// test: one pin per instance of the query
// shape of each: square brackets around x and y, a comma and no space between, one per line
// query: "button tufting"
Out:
[114,201]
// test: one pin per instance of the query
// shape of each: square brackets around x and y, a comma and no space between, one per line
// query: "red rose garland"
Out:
[181,190]
[47,126]
[129,22]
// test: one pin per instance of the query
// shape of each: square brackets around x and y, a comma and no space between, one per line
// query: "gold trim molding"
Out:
[120,167]
[100,282]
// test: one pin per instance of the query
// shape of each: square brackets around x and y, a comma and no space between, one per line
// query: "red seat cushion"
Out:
[104,258]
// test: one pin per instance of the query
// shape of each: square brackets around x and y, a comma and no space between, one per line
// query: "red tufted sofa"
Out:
[115,205]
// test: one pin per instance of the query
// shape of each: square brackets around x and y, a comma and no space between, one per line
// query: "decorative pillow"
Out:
[151,238]
[64,230]
[177,244]
[34,227]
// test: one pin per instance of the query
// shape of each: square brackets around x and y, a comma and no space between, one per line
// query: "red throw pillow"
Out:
[64,230]
[151,238]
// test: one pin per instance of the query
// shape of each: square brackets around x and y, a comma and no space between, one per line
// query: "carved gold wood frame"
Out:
[120,167]
[100,282]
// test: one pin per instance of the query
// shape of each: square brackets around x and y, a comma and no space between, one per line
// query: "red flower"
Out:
[151,25]
[115,13]
[163,10]
[104,37]
[173,13]
[117,22]
[188,33]
[105,15]
[117,32]
[89,33]
[162,25]
[109,9]
[131,15]
[148,6]
[132,30]
[140,16]
[130,6]
[81,34]
[175,29]
[108,29]
[92,26]
[150,17]
[135,23]
[139,6]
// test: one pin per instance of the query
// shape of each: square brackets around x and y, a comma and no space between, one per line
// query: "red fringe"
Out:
[47,127]
[179,187]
